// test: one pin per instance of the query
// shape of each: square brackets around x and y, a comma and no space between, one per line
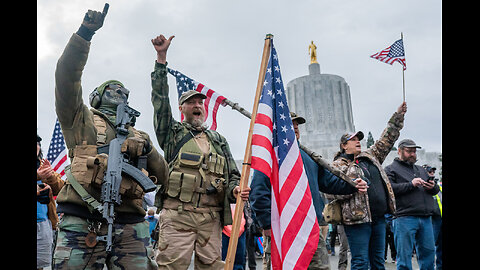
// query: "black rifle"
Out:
[118,163]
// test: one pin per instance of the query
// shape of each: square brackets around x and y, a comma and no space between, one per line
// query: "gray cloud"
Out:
[220,43]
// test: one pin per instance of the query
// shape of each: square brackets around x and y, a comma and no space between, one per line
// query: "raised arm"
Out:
[68,89]
[390,134]
[162,111]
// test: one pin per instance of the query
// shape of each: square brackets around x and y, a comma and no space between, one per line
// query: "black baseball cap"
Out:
[408,143]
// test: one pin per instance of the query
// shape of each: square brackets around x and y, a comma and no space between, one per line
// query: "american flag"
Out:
[275,152]
[211,103]
[394,53]
[57,152]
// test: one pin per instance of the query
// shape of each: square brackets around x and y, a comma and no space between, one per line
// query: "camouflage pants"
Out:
[129,249]
[319,261]
[182,233]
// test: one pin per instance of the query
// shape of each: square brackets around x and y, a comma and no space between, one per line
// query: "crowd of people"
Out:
[396,206]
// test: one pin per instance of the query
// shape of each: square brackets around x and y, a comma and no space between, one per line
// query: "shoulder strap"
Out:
[92,203]
[182,142]
[101,126]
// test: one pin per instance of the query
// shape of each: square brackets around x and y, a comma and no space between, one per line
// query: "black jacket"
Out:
[410,200]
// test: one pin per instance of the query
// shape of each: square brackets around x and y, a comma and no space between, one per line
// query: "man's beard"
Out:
[197,123]
[410,160]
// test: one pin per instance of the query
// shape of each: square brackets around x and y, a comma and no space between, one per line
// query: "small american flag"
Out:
[275,152]
[57,152]
[394,53]
[211,103]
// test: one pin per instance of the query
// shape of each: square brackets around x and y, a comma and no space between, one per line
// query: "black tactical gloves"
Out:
[92,21]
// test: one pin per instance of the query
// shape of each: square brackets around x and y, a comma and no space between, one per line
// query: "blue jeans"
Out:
[371,235]
[414,230]
[240,261]
[437,234]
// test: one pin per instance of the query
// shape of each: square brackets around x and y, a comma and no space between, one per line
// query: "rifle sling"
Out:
[92,203]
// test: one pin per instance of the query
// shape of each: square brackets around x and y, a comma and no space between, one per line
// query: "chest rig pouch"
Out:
[197,177]
[89,166]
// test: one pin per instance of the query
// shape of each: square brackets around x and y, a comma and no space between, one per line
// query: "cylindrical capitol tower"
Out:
[324,101]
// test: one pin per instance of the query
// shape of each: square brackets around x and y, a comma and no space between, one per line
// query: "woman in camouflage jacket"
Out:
[363,213]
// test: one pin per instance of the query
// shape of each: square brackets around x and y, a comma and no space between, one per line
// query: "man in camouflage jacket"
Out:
[363,214]
[84,129]
[187,224]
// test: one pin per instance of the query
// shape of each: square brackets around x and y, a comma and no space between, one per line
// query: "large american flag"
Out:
[394,53]
[211,103]
[275,152]
[57,152]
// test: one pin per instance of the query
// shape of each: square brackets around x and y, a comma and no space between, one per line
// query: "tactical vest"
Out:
[196,179]
[88,167]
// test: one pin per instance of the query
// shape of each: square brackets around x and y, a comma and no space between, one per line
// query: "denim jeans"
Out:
[371,235]
[240,260]
[437,233]
[414,230]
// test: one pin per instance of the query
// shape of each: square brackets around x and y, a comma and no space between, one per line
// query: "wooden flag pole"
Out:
[403,70]
[237,218]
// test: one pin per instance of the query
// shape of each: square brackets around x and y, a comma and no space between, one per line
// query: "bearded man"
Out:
[414,191]
[203,178]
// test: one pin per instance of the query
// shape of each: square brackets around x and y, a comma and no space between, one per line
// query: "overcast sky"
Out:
[219,43]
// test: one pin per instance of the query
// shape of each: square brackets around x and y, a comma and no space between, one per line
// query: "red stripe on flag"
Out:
[219,100]
[306,256]
[64,158]
[262,141]
[264,120]
[274,178]
[205,102]
[275,256]
[290,183]
[296,222]
[262,166]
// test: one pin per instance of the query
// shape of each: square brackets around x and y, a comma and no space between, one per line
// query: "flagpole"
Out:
[403,69]
[315,156]
[237,218]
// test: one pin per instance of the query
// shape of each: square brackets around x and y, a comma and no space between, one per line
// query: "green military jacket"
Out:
[169,132]
[79,130]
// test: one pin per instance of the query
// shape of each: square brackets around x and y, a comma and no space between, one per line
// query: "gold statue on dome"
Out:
[312,51]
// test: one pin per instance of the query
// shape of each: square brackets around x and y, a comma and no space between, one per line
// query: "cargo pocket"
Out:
[186,191]
[174,183]
[216,164]
[220,165]
[79,167]
[98,164]
[130,188]
[61,255]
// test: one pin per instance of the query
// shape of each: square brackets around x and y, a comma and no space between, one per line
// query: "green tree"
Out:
[370,140]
